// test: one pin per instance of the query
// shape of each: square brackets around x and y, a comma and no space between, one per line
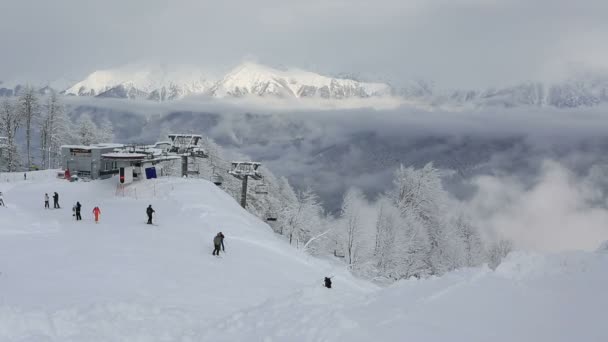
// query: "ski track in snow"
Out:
[122,280]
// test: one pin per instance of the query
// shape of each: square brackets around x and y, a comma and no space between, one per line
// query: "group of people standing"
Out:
[55,201]
[77,208]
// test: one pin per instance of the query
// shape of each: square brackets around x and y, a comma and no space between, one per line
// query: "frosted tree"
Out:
[303,219]
[352,232]
[420,197]
[410,250]
[498,251]
[55,129]
[287,206]
[106,131]
[86,130]
[10,120]
[29,111]
[473,252]
[387,222]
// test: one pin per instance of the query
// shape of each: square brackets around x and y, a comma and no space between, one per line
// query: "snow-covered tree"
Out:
[352,232]
[402,244]
[10,120]
[498,251]
[29,111]
[55,130]
[105,132]
[473,253]
[86,131]
[302,218]
[420,197]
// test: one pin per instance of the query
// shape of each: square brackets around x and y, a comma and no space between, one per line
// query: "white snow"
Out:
[145,77]
[123,280]
[258,79]
[246,78]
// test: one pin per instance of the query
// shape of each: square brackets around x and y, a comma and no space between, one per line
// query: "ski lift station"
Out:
[86,160]
[100,161]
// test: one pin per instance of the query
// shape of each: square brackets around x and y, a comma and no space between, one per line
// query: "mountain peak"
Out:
[248,78]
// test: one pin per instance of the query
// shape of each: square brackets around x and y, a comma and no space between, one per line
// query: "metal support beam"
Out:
[184,166]
[244,192]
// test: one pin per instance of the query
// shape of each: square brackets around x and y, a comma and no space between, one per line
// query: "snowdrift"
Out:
[123,280]
[528,298]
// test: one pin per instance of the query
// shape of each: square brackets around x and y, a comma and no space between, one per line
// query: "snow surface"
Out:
[123,280]
[245,79]
[145,77]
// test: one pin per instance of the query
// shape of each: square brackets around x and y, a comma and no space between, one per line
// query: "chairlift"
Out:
[261,189]
[271,216]
[217,179]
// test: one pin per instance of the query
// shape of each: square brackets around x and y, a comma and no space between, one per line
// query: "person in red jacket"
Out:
[96,212]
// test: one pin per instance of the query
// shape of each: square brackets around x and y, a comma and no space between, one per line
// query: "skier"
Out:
[25,176]
[328,282]
[56,201]
[2,200]
[46,201]
[78,206]
[150,211]
[218,242]
[96,212]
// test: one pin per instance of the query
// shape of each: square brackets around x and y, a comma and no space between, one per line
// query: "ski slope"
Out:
[123,280]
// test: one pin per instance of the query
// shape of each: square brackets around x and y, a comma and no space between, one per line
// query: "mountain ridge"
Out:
[163,83]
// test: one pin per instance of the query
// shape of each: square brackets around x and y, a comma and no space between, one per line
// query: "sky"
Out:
[454,43]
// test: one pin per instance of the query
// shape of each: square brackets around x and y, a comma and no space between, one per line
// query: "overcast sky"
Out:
[452,42]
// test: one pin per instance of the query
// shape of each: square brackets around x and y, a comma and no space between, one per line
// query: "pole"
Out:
[184,166]
[244,192]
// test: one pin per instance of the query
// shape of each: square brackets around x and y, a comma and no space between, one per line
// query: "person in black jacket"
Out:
[218,242]
[150,211]
[56,200]
[328,282]
[78,206]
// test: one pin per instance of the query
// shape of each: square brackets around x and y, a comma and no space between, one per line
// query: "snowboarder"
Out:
[78,207]
[56,201]
[150,211]
[46,201]
[328,282]
[96,212]
[2,200]
[218,242]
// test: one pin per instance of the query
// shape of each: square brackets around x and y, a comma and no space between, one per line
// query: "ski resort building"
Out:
[86,161]
[104,160]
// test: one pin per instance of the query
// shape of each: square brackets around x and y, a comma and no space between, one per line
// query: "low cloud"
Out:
[559,211]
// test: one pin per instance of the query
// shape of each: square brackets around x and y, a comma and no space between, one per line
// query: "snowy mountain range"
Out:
[163,83]
[577,92]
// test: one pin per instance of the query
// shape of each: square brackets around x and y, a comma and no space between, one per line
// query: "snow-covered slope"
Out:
[158,83]
[529,297]
[123,280]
